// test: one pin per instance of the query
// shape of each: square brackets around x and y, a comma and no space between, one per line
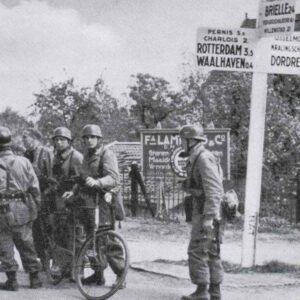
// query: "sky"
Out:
[53,40]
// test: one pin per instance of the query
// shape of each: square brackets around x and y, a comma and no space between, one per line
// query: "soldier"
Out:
[204,183]
[67,161]
[100,172]
[66,165]
[19,202]
[42,160]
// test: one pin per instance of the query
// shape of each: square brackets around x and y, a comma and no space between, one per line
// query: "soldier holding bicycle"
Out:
[100,173]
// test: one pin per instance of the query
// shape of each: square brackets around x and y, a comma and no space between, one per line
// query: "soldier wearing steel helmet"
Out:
[204,183]
[67,160]
[41,158]
[66,165]
[19,202]
[101,173]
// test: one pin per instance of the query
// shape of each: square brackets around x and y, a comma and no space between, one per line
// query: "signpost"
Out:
[221,49]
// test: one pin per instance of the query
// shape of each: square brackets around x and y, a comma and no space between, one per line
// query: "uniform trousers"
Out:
[204,260]
[21,237]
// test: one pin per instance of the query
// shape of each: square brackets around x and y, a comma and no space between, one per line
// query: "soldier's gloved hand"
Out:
[68,195]
[91,182]
[208,225]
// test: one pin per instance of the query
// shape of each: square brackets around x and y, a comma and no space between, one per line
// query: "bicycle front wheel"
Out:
[102,265]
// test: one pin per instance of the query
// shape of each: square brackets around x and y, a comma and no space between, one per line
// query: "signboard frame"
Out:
[207,131]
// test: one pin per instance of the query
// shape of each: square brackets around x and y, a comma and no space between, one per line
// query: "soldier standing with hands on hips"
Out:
[204,183]
[19,203]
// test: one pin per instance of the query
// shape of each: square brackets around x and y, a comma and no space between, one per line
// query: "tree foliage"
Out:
[154,100]
[16,123]
[65,104]
[281,151]
[222,98]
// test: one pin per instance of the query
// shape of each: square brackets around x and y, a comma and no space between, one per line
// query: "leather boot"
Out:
[201,293]
[97,277]
[11,283]
[215,291]
[35,281]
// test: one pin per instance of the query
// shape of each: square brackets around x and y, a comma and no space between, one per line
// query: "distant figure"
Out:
[136,179]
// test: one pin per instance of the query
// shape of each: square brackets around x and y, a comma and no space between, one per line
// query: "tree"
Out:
[65,104]
[16,123]
[154,99]
[282,140]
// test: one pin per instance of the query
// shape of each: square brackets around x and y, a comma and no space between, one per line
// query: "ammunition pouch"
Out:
[18,208]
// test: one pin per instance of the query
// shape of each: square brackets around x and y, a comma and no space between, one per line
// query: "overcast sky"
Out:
[57,39]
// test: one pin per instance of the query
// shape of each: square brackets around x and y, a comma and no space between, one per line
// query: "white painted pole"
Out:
[254,166]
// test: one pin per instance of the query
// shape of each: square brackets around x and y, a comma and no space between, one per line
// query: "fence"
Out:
[164,193]
[279,192]
[279,196]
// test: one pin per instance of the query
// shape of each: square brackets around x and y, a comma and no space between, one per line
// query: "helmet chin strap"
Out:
[190,145]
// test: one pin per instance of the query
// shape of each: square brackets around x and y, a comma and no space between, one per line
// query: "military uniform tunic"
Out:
[205,185]
[42,159]
[18,232]
[108,178]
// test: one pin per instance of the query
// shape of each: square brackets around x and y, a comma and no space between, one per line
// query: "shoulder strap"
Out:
[196,159]
[7,167]
[100,167]
[71,160]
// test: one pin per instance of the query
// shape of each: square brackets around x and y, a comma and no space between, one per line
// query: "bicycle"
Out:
[94,254]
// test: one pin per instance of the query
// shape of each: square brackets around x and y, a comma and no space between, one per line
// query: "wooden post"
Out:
[254,166]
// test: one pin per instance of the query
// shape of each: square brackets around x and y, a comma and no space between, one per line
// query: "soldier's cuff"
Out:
[99,184]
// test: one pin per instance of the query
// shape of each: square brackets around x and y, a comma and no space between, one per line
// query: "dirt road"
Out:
[150,240]
[145,286]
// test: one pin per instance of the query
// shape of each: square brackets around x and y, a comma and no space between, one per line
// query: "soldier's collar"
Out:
[64,154]
[195,151]
[97,153]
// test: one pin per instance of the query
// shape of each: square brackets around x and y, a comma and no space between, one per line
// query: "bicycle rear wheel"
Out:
[102,265]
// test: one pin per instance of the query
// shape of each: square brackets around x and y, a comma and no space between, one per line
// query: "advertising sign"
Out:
[161,149]
[276,17]
[225,49]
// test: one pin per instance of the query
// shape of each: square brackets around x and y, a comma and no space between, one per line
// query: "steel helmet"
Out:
[91,129]
[192,132]
[62,132]
[5,135]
